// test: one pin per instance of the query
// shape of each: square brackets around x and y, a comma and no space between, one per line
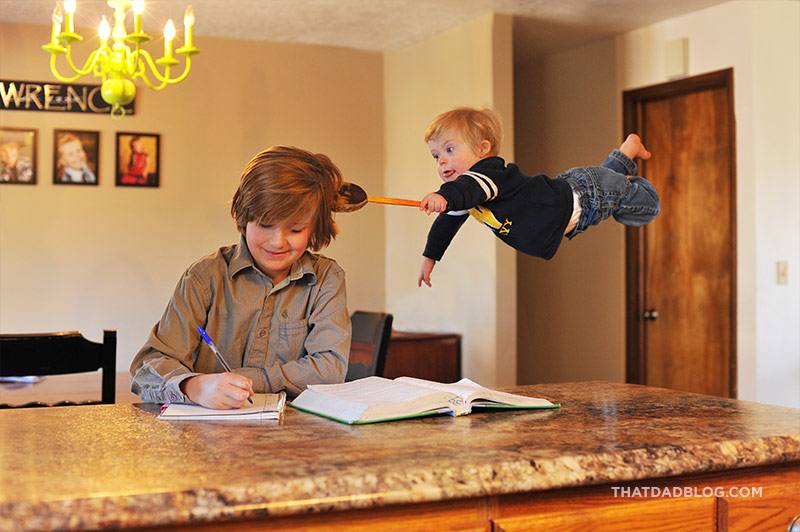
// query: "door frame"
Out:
[635,267]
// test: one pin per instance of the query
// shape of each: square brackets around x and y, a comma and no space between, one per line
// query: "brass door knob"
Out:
[650,314]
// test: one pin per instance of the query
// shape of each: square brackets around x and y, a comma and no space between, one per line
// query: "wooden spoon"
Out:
[352,197]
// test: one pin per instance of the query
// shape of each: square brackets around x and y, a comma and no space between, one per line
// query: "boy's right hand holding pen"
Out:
[218,390]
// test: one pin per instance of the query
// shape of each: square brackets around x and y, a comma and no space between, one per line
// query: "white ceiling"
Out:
[381,25]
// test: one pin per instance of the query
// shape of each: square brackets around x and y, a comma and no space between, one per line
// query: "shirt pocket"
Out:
[291,339]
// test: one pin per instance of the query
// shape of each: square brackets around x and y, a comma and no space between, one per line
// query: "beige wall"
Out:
[572,308]
[474,285]
[85,258]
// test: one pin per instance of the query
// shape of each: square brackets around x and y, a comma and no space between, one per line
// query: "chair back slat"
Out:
[60,353]
[45,354]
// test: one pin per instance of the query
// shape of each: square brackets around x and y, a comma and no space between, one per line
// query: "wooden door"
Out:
[681,268]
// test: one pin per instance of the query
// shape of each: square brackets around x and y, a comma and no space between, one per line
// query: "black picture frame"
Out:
[76,157]
[138,159]
[18,155]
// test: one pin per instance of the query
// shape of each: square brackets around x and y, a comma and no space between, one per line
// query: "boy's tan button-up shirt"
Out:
[282,337]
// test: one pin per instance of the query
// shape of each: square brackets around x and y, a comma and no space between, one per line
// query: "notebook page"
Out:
[262,403]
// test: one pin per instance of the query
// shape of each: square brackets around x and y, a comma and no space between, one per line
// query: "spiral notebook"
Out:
[265,406]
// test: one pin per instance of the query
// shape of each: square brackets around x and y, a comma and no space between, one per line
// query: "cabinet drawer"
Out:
[661,514]
[774,510]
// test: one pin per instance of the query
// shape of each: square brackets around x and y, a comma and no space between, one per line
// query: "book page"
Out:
[373,391]
[374,399]
[473,392]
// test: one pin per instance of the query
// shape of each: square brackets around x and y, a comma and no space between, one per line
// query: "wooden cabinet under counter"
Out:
[425,355]
[765,498]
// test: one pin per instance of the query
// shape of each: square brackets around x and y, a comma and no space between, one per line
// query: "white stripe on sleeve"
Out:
[489,187]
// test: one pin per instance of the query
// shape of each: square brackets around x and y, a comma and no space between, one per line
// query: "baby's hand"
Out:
[218,390]
[425,271]
[433,202]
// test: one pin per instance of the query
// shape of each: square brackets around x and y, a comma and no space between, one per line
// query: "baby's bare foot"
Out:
[633,147]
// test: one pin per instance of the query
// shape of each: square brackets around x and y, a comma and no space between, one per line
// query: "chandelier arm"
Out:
[87,67]
[141,72]
[185,71]
[90,63]
[165,79]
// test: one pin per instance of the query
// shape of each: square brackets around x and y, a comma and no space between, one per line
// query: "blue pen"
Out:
[207,339]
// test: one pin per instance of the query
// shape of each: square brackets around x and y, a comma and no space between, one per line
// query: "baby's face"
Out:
[452,154]
[72,155]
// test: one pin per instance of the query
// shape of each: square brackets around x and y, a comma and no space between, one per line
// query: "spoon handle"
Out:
[393,201]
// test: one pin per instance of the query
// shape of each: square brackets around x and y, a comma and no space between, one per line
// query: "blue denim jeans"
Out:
[606,191]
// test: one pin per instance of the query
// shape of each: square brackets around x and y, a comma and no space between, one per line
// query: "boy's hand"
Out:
[218,390]
[433,202]
[425,271]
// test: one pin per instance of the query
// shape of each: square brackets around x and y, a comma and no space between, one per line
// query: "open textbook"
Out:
[265,406]
[375,399]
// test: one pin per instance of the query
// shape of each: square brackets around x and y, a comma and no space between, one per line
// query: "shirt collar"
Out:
[242,259]
[493,162]
[74,172]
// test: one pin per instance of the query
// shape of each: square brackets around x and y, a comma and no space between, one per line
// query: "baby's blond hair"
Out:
[474,125]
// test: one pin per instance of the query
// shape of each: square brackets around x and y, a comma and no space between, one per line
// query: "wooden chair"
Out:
[57,354]
[371,332]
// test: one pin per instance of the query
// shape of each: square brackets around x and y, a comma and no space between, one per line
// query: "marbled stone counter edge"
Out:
[314,495]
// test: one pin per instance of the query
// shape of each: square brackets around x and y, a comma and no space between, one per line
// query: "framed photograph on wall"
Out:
[76,157]
[17,156]
[138,159]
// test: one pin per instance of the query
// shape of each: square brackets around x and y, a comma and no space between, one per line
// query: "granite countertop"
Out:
[114,466]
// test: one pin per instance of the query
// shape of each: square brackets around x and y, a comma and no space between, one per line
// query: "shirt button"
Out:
[262,333]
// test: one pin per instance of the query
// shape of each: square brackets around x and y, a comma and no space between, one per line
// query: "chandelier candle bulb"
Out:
[57,17]
[188,22]
[69,9]
[169,34]
[104,31]
[138,9]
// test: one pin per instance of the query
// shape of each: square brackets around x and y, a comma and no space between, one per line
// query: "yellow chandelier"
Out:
[119,64]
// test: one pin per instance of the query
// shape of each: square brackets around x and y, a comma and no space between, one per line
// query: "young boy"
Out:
[277,312]
[72,161]
[531,214]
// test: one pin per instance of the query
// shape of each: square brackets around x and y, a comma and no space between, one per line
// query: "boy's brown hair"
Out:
[475,125]
[285,183]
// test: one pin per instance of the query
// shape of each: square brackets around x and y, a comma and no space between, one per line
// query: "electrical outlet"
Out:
[783,272]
